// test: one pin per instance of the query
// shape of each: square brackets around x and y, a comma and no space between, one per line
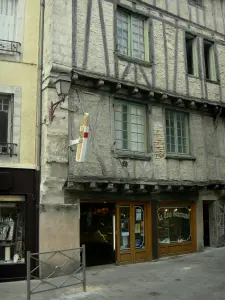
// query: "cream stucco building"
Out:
[19,46]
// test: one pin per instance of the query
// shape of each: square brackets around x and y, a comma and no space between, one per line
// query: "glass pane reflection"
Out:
[124,227]
[174,224]
[139,227]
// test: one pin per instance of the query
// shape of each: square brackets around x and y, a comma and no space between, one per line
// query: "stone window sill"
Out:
[212,81]
[180,157]
[131,155]
[135,60]
[193,76]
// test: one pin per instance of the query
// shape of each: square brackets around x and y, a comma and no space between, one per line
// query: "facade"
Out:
[19,37]
[151,76]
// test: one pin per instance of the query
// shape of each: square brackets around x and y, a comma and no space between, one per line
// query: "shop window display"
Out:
[174,225]
[12,236]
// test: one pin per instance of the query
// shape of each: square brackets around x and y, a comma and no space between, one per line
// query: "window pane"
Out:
[174,224]
[124,227]
[131,132]
[176,132]
[139,227]
[121,126]
[138,38]
[122,32]
[134,146]
[12,233]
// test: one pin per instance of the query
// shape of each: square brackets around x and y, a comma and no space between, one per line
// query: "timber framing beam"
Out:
[116,186]
[143,93]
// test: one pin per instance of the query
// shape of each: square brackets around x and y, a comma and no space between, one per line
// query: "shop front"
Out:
[116,232]
[18,222]
[176,228]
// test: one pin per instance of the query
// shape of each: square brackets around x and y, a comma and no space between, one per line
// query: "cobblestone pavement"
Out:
[196,276]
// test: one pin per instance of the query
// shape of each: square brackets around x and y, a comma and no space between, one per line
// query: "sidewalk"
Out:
[196,276]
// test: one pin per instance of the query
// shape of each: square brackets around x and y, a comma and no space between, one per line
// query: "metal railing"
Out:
[54,277]
[9,46]
[8,149]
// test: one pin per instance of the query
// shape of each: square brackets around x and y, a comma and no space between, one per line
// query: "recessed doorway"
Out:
[97,232]
[206,224]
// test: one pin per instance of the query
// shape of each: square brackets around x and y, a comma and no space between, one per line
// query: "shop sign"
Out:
[174,214]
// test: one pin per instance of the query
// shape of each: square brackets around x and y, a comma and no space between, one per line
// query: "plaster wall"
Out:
[19,78]
[82,35]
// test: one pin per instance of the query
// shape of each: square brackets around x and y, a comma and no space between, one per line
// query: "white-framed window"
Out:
[130,126]
[177,132]
[209,58]
[6,122]
[132,35]
[8,11]
[191,54]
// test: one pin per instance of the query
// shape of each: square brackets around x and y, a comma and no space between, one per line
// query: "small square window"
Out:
[177,132]
[130,126]
[132,36]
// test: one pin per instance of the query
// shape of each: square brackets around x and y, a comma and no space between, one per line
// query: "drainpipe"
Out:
[39,117]
[39,94]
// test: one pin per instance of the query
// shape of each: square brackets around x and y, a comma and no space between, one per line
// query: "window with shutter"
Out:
[5,122]
[8,19]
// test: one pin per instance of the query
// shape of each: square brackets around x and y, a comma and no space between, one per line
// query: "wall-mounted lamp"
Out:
[62,84]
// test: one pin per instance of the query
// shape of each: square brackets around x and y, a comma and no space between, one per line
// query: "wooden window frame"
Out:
[195,56]
[211,61]
[10,116]
[176,112]
[129,105]
[130,43]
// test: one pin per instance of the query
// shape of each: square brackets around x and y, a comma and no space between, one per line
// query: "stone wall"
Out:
[206,163]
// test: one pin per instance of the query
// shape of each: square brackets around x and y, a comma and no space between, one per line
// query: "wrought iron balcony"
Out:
[8,149]
[9,46]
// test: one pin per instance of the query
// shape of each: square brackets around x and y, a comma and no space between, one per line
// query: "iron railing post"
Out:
[84,267]
[28,275]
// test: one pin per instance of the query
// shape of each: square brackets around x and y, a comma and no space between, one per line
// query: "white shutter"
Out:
[7,19]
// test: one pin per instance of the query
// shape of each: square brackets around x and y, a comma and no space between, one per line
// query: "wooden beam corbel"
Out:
[169,188]
[135,90]
[93,186]
[118,86]
[111,187]
[181,188]
[74,76]
[164,98]
[151,96]
[192,105]
[127,188]
[155,188]
[141,189]
[204,107]
[179,102]
[100,83]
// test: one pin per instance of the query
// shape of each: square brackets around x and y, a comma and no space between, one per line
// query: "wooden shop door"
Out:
[133,227]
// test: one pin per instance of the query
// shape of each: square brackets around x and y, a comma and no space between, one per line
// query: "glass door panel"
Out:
[139,219]
[124,212]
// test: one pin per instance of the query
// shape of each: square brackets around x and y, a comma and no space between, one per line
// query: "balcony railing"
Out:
[8,149]
[9,46]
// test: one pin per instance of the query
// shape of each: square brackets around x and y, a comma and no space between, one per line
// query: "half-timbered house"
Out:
[151,75]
